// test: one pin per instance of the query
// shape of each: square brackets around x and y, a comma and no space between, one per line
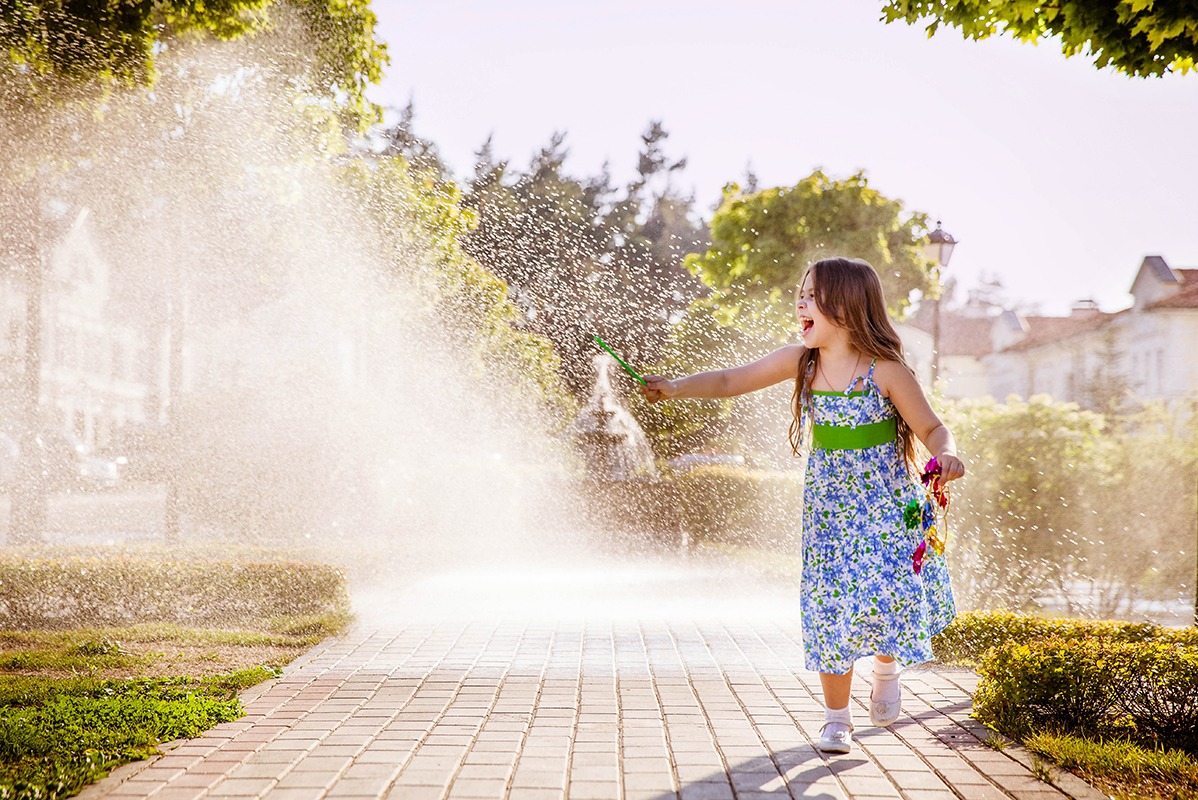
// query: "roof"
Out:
[1186,295]
[960,335]
[1159,268]
[1044,330]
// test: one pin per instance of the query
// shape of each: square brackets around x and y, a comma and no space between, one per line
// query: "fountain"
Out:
[612,443]
[625,497]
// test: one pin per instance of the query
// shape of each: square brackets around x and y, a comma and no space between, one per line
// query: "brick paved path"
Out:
[454,695]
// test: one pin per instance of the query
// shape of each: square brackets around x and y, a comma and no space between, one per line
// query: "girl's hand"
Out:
[658,388]
[951,467]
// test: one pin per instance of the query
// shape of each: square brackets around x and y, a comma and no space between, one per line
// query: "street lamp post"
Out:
[938,250]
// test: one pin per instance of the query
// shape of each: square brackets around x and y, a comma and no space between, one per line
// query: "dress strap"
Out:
[866,381]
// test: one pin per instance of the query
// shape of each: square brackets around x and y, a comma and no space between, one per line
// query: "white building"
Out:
[964,342]
[91,375]
[1091,357]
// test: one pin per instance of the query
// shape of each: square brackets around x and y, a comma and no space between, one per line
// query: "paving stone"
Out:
[179,793]
[491,709]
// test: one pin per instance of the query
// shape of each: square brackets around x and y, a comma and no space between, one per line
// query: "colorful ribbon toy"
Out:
[931,515]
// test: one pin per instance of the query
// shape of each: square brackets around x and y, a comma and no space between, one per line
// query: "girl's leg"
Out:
[836,688]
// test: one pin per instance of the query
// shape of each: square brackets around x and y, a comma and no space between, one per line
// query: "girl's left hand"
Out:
[951,467]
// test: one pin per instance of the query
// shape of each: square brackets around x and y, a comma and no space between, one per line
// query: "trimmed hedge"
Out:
[1145,692]
[730,504]
[113,592]
[972,634]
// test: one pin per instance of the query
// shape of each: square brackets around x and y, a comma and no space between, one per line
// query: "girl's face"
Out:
[814,327]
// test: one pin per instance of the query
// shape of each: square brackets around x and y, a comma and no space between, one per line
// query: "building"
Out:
[964,342]
[1094,357]
[1091,357]
[91,372]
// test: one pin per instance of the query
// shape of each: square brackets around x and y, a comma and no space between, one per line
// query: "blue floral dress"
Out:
[861,593]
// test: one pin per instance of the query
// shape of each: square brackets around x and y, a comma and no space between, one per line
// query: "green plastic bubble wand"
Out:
[627,368]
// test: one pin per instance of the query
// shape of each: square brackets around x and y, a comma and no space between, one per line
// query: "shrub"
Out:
[101,592]
[1144,692]
[1052,487]
[973,633]
[726,504]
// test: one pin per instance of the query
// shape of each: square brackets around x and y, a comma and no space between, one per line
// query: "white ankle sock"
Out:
[885,667]
[841,715]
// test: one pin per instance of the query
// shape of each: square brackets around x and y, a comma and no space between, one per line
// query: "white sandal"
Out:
[836,737]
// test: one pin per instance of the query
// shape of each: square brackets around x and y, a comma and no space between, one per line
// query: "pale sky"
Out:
[1054,176]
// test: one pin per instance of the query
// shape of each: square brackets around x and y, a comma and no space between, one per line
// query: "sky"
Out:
[1055,177]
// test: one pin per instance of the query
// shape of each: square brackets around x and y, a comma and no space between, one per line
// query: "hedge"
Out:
[103,592]
[972,634]
[1142,692]
[730,504]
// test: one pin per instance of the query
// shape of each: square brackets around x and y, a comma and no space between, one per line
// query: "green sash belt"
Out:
[843,437]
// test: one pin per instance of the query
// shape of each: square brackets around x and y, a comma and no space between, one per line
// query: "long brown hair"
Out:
[848,291]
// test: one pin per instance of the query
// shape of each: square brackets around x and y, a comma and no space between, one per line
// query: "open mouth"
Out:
[805,324]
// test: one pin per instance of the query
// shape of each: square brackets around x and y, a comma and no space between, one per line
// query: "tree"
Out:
[1140,38]
[761,243]
[66,59]
[583,257]
[87,48]
[1039,471]
[421,154]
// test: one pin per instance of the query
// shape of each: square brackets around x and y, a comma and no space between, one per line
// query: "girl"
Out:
[858,408]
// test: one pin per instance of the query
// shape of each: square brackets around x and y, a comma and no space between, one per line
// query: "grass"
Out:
[58,735]
[1121,769]
[161,650]
[76,703]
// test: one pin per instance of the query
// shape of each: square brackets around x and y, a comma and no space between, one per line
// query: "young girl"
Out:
[858,407]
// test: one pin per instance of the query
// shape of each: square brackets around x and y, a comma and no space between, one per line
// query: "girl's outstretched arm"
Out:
[897,383]
[780,365]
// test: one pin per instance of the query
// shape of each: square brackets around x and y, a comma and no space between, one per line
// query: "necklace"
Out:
[832,386]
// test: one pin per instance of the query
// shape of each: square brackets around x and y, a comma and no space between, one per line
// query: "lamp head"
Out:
[939,248]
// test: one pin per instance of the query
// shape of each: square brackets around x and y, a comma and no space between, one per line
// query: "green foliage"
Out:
[421,225]
[56,736]
[1149,513]
[75,592]
[1038,472]
[1057,498]
[1121,769]
[762,242]
[54,45]
[1140,38]
[728,504]
[582,256]
[1145,692]
[972,634]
